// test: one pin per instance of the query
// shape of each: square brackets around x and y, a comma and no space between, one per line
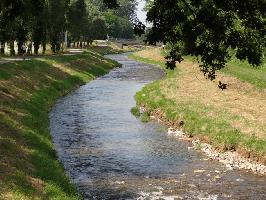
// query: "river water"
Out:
[109,154]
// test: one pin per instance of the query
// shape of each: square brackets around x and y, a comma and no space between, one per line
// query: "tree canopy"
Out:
[212,30]
[39,22]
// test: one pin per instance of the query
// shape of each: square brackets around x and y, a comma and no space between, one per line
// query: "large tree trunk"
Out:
[12,48]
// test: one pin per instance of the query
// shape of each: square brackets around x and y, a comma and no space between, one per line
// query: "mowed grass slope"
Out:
[243,71]
[29,168]
[233,119]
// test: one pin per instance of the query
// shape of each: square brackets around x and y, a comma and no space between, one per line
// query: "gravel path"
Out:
[70,52]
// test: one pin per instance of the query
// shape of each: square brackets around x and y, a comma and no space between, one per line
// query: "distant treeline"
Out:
[42,22]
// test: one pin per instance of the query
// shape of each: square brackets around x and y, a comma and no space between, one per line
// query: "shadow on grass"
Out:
[28,160]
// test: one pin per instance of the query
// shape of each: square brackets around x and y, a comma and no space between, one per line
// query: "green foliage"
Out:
[210,29]
[56,22]
[110,3]
[39,24]
[126,9]
[13,16]
[41,21]
[77,19]
[99,28]
[118,27]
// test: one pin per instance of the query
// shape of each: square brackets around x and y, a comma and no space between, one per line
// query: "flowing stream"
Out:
[109,154]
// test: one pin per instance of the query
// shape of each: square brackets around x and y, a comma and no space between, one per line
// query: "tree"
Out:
[121,20]
[12,23]
[40,21]
[126,9]
[3,36]
[56,22]
[118,27]
[211,30]
[111,3]
[39,24]
[78,20]
[99,28]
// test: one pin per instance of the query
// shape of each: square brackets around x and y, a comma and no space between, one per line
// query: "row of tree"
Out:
[47,21]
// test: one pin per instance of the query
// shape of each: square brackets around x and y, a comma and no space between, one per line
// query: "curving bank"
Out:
[29,168]
[231,120]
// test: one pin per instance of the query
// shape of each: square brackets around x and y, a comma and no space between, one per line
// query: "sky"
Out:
[140,13]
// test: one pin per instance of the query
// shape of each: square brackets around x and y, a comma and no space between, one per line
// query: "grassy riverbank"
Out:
[29,168]
[233,119]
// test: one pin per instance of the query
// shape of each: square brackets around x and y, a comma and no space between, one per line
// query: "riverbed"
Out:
[110,154]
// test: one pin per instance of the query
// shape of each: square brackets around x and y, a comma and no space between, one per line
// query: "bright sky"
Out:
[140,13]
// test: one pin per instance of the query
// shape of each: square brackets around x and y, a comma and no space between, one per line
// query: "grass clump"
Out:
[145,117]
[28,163]
[135,111]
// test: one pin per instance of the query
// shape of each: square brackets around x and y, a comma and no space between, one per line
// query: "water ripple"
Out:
[109,154]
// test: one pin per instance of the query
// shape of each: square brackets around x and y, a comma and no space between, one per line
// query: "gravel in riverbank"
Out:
[231,159]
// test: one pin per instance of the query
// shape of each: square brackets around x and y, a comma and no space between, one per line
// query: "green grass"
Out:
[147,60]
[135,111]
[218,128]
[255,75]
[145,117]
[105,50]
[247,73]
[28,89]
[197,122]
[243,71]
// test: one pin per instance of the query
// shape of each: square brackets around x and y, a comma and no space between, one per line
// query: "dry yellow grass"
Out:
[242,103]
[151,53]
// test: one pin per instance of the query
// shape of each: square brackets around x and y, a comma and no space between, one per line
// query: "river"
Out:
[109,154]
